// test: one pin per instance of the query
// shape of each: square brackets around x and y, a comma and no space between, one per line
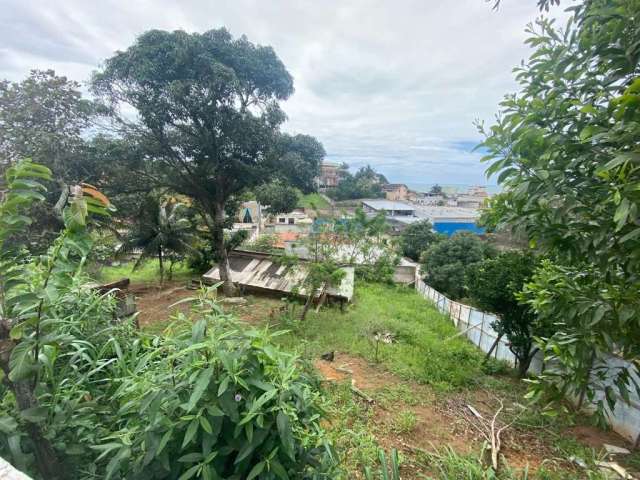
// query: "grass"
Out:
[148,272]
[425,347]
[313,200]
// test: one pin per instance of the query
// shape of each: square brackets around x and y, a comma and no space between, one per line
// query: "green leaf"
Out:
[256,470]
[190,458]
[35,414]
[192,429]
[201,385]
[286,435]
[278,469]
[189,473]
[8,425]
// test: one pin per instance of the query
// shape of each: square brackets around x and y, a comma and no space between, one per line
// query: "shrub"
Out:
[219,401]
[417,238]
[446,261]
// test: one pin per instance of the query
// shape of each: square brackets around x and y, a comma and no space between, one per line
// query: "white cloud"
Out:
[393,84]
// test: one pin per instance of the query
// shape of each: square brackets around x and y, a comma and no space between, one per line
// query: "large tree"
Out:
[44,118]
[209,115]
[566,149]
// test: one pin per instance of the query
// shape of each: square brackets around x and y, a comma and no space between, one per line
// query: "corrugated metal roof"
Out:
[387,205]
[258,270]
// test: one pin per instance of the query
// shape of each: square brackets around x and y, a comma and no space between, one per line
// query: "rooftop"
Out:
[388,205]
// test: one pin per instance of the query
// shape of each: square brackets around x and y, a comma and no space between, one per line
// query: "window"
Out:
[282,220]
[291,221]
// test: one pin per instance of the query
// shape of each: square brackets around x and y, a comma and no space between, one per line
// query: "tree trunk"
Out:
[307,305]
[223,259]
[493,347]
[523,364]
[161,264]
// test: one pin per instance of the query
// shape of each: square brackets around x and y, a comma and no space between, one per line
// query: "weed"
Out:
[405,422]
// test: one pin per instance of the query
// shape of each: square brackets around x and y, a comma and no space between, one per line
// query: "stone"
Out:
[234,300]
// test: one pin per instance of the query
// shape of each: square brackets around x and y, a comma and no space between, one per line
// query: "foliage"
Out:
[417,238]
[278,196]
[385,474]
[366,183]
[44,117]
[95,400]
[209,118]
[566,149]
[495,284]
[35,309]
[446,262]
[497,208]
[161,230]
[437,190]
[264,243]
[226,403]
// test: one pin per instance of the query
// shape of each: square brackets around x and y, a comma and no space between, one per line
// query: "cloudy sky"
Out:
[395,84]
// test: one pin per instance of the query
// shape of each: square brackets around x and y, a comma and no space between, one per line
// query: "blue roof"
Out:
[449,228]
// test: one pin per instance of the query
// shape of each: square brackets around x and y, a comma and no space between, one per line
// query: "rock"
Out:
[615,450]
[234,300]
[328,357]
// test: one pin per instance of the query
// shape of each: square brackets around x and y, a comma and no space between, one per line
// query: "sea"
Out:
[453,188]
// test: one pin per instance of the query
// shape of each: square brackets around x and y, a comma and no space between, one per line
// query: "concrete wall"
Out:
[476,325]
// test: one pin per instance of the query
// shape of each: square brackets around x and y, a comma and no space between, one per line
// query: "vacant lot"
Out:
[401,378]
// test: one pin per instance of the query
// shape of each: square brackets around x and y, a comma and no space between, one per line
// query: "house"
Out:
[329,175]
[296,221]
[396,191]
[262,273]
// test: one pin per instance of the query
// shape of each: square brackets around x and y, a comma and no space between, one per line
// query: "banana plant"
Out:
[388,472]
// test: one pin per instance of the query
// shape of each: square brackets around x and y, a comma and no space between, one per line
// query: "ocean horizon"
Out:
[454,187]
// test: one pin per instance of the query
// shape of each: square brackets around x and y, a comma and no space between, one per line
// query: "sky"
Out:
[394,84]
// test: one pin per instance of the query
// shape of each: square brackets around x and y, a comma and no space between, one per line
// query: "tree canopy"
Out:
[566,149]
[209,117]
[445,262]
[417,238]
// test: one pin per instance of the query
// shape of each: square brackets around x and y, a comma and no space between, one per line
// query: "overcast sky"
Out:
[393,83]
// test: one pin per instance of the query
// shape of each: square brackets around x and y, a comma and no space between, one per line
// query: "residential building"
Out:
[396,191]
[329,175]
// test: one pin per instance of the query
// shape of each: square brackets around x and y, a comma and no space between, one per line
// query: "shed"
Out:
[260,272]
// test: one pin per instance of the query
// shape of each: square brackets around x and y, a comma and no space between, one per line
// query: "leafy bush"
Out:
[445,262]
[417,238]
[86,398]
[219,401]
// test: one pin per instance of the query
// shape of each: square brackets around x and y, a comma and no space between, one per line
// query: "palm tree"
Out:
[160,230]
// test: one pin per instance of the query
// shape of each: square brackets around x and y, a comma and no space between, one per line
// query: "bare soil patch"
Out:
[441,422]
[154,302]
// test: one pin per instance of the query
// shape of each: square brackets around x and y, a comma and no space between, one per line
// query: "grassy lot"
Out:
[313,200]
[148,272]
[420,384]
[424,346]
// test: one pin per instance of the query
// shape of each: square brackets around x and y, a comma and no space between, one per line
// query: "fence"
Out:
[476,325]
